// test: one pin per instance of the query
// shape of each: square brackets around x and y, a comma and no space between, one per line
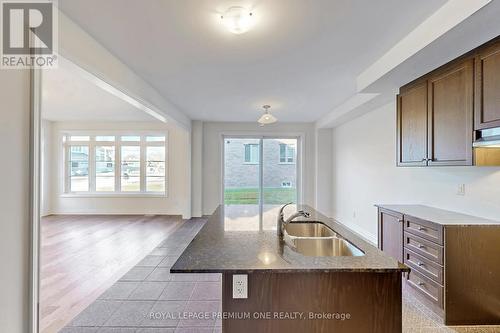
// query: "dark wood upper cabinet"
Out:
[441,113]
[450,114]
[412,125]
[487,94]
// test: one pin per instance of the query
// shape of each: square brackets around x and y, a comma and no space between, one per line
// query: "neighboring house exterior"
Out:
[242,163]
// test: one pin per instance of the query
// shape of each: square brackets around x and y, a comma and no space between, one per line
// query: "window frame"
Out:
[294,156]
[64,140]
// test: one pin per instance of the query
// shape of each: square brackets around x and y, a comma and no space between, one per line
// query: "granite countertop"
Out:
[236,239]
[439,216]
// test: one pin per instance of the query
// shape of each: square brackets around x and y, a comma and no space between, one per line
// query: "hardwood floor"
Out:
[82,256]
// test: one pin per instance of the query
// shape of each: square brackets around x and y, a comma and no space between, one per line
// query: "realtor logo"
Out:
[29,34]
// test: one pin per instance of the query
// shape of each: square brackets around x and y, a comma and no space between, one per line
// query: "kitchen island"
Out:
[289,291]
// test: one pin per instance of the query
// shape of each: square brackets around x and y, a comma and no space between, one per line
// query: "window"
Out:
[78,168]
[115,164]
[131,168]
[131,138]
[155,169]
[287,153]
[79,138]
[252,153]
[105,168]
[155,138]
[104,138]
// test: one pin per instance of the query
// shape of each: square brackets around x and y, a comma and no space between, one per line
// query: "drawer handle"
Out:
[420,246]
[421,284]
[422,229]
[420,264]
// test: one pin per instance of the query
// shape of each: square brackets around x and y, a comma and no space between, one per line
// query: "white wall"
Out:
[212,156]
[46,164]
[365,173]
[178,201]
[323,181]
[14,200]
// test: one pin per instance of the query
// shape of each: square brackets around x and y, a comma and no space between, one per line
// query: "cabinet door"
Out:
[450,116]
[412,126]
[487,90]
[390,233]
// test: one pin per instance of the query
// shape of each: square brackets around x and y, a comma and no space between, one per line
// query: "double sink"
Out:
[318,240]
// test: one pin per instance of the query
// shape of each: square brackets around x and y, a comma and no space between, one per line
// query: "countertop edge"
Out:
[403,209]
[299,270]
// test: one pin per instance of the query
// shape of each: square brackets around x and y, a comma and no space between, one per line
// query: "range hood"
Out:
[487,147]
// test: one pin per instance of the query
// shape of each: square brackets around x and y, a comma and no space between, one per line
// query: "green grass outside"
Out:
[250,196]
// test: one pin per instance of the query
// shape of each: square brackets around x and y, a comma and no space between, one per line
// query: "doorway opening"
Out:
[101,200]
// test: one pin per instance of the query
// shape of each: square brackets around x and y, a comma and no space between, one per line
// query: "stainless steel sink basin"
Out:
[328,247]
[310,229]
[317,240]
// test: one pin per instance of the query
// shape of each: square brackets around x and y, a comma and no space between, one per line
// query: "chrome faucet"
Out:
[281,218]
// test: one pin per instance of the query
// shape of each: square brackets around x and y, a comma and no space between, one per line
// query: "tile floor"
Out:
[142,299]
[82,255]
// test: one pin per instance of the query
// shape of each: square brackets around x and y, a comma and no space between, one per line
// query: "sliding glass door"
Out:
[279,177]
[260,175]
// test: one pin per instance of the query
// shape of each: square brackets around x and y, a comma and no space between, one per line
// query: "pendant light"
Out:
[267,118]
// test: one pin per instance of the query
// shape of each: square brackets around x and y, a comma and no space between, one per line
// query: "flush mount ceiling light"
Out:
[237,19]
[267,118]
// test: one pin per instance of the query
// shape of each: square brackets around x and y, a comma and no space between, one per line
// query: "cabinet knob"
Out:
[422,229]
[421,284]
[420,263]
[420,246]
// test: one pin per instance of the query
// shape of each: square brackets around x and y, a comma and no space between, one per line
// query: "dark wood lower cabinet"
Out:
[390,233]
[454,260]
[372,300]
[472,272]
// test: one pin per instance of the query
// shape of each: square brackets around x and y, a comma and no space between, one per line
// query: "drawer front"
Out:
[424,229]
[423,265]
[426,287]
[424,247]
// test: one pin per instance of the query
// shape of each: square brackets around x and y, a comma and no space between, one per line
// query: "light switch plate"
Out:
[240,286]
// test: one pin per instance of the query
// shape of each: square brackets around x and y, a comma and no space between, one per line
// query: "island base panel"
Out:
[373,301]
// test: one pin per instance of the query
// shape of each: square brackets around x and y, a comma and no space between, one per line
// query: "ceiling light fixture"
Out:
[267,118]
[237,19]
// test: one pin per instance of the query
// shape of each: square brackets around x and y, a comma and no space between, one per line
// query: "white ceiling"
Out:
[302,57]
[68,96]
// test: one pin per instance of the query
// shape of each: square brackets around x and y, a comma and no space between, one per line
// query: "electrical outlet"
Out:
[240,286]
[461,189]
